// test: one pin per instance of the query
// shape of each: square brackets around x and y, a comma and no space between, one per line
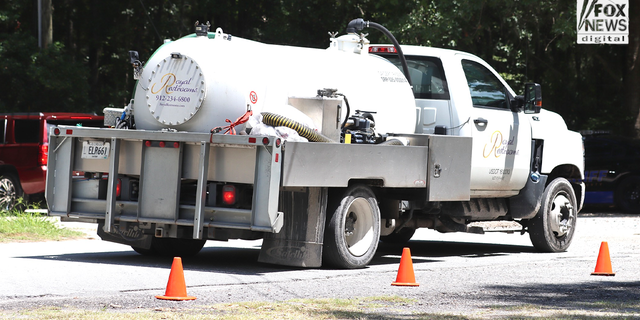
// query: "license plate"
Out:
[95,150]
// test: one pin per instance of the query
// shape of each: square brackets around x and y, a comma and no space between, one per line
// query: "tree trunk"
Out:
[46,24]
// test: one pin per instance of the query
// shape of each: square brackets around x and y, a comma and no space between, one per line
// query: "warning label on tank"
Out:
[388,76]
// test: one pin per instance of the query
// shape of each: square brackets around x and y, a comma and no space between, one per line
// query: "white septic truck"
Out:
[320,153]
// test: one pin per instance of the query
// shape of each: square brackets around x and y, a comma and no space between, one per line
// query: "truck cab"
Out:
[458,93]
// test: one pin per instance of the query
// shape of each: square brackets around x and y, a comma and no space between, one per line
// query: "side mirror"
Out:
[532,98]
[133,57]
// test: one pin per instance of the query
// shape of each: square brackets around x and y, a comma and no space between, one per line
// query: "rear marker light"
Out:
[176,145]
[56,131]
[278,141]
[229,194]
[118,188]
[44,154]
[382,49]
[69,131]
[265,141]
[252,140]
[162,144]
[147,143]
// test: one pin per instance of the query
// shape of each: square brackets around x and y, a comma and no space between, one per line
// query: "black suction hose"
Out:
[359,24]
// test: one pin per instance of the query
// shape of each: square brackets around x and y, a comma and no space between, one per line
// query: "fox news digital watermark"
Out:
[603,21]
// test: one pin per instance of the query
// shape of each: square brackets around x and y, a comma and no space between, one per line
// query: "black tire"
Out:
[552,229]
[145,252]
[10,192]
[172,247]
[353,228]
[401,237]
[627,195]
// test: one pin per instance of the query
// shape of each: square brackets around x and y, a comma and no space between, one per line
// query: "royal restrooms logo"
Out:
[603,21]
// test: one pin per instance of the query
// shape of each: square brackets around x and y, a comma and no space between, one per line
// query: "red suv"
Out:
[24,145]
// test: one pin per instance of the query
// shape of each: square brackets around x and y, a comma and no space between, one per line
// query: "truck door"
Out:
[501,138]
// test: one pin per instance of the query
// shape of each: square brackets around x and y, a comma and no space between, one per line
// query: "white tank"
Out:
[197,83]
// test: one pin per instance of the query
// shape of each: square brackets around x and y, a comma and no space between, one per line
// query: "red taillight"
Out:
[44,154]
[118,188]
[228,194]
[382,49]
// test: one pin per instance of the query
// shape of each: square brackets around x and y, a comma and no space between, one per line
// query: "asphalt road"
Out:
[457,273]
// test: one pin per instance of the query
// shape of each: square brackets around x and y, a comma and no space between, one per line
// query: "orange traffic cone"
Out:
[176,287]
[603,266]
[405,272]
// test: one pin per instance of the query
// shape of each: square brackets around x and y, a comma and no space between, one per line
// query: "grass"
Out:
[20,226]
[380,308]
[373,308]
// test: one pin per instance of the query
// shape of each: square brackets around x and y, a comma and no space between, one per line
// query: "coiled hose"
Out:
[275,120]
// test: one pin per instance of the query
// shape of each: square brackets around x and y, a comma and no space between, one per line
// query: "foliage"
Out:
[87,67]
[531,41]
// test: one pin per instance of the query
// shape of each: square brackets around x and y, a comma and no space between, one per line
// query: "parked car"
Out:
[24,151]
[612,171]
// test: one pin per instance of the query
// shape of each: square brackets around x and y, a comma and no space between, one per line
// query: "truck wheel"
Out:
[627,195]
[173,247]
[145,252]
[10,191]
[551,230]
[353,229]
[400,237]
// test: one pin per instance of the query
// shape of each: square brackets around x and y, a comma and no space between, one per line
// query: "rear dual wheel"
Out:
[353,228]
[401,236]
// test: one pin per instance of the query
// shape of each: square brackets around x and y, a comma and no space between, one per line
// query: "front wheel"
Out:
[353,228]
[552,229]
[627,195]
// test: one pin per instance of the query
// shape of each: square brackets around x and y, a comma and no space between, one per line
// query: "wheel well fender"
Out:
[573,174]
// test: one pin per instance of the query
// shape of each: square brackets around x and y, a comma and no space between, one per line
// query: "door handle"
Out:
[481,122]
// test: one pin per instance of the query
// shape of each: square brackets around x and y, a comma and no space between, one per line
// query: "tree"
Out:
[591,86]
[34,79]
[534,41]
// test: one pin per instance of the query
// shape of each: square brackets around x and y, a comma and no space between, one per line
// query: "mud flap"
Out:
[527,203]
[299,242]
[132,236]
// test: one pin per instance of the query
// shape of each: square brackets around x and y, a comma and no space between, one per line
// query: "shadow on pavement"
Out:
[244,260]
[593,295]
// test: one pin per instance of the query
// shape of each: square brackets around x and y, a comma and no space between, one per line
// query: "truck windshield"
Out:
[426,74]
